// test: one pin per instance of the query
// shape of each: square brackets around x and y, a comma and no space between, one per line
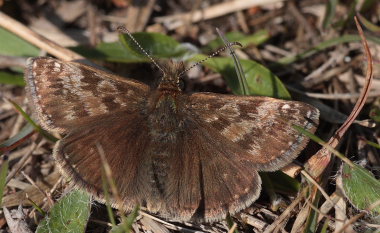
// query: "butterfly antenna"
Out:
[123,29]
[210,56]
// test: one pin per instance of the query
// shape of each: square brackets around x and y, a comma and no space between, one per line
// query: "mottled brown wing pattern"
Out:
[124,138]
[67,94]
[262,126]
[186,157]
[205,175]
[228,181]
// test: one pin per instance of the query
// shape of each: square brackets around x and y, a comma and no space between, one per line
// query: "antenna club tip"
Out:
[236,43]
[122,29]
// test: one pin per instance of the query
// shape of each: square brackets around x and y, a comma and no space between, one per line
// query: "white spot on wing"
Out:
[285,107]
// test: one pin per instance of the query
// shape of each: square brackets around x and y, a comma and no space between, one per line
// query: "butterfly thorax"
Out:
[164,118]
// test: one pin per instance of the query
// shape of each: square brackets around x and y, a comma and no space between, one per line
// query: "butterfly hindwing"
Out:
[204,176]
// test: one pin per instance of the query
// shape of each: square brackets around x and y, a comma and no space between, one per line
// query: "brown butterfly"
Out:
[191,157]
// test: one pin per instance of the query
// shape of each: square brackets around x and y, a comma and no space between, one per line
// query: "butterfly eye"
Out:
[181,84]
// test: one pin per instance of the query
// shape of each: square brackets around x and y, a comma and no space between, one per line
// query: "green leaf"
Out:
[13,79]
[3,177]
[261,81]
[113,52]
[283,183]
[155,44]
[70,214]
[361,187]
[12,45]
[255,39]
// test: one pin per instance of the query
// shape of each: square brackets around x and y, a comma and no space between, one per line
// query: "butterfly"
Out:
[183,156]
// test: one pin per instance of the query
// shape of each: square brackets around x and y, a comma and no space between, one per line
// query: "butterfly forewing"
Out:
[261,126]
[67,94]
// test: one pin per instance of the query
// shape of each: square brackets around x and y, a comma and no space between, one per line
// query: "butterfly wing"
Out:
[124,138]
[262,126]
[209,177]
[66,94]
[197,175]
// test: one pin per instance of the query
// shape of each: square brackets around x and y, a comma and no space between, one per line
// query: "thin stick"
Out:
[356,217]
[311,179]
[36,39]
[21,163]
[217,10]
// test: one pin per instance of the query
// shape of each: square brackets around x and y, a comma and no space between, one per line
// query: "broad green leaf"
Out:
[361,187]
[14,79]
[12,45]
[155,44]
[113,52]
[70,214]
[255,39]
[261,81]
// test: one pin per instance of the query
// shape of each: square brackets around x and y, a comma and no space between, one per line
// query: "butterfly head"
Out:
[170,80]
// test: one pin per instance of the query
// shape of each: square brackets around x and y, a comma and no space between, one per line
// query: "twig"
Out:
[17,167]
[16,223]
[41,42]
[38,187]
[174,21]
[287,211]
[9,61]
[356,217]
[139,14]
[309,178]
[169,225]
